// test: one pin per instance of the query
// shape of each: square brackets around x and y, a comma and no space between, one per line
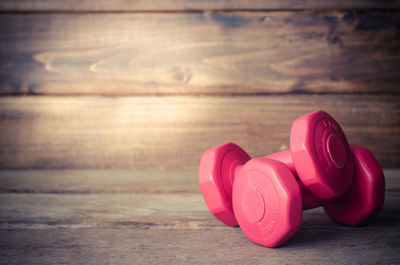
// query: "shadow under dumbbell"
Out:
[317,228]
[389,216]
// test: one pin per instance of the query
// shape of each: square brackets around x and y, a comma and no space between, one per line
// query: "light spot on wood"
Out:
[46,59]
[267,19]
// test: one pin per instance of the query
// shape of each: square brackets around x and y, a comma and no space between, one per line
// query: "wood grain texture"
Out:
[168,228]
[200,53]
[185,5]
[91,181]
[101,181]
[131,246]
[145,212]
[114,181]
[173,132]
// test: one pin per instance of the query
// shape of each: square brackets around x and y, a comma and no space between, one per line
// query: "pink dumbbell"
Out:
[319,155]
[267,199]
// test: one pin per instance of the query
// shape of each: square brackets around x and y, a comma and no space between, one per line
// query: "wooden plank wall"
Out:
[152,84]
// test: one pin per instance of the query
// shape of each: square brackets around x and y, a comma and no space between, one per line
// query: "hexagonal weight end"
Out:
[216,175]
[367,194]
[321,155]
[267,202]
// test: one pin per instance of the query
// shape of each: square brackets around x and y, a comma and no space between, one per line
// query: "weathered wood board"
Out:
[187,5]
[62,220]
[99,181]
[173,132]
[199,53]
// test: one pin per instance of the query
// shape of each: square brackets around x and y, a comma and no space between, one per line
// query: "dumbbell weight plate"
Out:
[267,202]
[366,195]
[216,175]
[321,155]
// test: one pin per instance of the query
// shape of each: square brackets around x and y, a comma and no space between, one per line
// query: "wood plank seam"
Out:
[290,5]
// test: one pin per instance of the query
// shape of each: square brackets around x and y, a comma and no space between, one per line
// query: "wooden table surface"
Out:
[141,217]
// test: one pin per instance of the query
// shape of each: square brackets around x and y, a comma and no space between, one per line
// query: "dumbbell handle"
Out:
[285,157]
[309,200]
